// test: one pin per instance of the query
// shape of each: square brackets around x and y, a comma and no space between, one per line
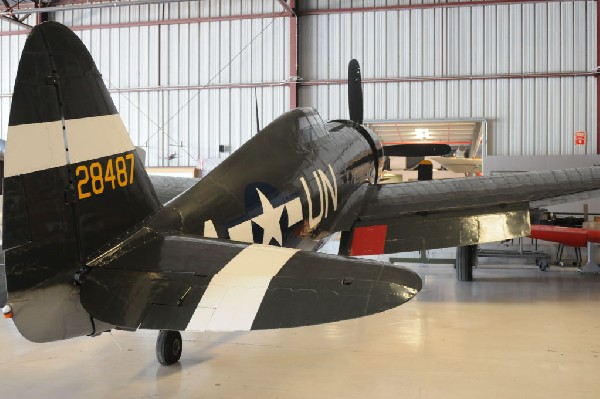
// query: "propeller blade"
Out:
[416,150]
[355,94]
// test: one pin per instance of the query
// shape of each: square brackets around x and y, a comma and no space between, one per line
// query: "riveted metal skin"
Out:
[320,165]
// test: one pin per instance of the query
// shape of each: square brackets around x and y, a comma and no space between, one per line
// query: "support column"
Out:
[293,55]
[41,17]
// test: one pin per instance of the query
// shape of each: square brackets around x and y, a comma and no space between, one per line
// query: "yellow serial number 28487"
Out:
[95,177]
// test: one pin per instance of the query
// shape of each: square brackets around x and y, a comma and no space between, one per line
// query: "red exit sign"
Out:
[580,138]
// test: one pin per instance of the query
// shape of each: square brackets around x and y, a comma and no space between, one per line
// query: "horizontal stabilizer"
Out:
[416,150]
[197,284]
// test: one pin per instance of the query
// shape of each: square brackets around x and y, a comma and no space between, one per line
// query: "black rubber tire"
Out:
[168,347]
[543,264]
[466,258]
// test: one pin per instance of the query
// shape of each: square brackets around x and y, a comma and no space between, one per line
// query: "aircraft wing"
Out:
[459,165]
[455,212]
[198,284]
[169,187]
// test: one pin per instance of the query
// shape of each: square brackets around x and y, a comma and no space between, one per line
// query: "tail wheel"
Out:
[168,347]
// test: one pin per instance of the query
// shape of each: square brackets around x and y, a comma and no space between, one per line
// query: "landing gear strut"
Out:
[466,258]
[168,347]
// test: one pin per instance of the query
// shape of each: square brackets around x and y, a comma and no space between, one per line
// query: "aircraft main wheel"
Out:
[543,264]
[168,347]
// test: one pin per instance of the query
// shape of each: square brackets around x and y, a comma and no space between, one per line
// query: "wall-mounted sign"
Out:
[580,138]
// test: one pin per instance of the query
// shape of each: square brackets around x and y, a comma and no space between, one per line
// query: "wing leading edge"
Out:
[454,212]
[197,284]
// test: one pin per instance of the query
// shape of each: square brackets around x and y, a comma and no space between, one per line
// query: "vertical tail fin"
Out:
[73,181]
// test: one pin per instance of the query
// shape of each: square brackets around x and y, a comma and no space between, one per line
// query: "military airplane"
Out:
[89,246]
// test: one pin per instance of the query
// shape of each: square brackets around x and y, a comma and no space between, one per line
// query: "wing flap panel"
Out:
[442,229]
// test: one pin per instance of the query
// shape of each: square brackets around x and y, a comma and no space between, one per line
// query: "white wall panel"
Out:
[308,5]
[4,113]
[11,46]
[193,123]
[542,121]
[528,119]
[515,116]
[159,70]
[175,10]
[527,116]
[528,38]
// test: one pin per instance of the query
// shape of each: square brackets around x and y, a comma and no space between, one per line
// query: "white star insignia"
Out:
[269,220]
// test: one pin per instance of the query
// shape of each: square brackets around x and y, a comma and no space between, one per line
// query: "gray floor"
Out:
[515,332]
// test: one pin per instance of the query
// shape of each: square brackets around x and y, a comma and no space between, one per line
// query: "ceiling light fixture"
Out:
[422,134]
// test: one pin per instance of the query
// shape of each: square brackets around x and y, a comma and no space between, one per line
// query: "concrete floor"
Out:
[514,332]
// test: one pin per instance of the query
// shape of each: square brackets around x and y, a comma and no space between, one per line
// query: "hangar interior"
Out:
[509,85]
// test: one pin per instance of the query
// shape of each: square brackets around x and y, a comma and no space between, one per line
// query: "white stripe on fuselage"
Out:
[40,146]
[233,296]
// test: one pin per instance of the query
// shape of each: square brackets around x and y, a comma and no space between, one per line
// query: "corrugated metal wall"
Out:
[172,79]
[531,116]
[10,52]
[177,86]
[157,73]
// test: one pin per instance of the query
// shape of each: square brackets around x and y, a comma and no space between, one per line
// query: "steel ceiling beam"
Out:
[15,22]
[287,7]
[519,76]
[160,22]
[421,6]
[87,6]
[293,55]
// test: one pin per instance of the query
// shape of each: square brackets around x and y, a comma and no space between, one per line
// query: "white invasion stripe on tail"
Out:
[40,146]
[33,147]
[233,296]
[97,137]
